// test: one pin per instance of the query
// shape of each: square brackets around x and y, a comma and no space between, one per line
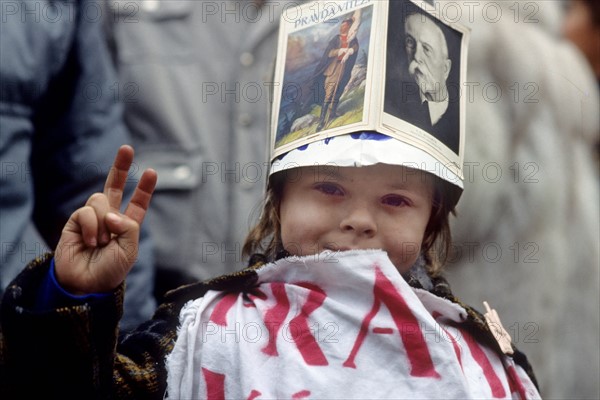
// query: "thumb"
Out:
[127,232]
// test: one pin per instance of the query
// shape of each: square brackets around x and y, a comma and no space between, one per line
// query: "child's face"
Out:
[376,207]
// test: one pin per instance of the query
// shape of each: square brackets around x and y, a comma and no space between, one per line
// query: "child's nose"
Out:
[359,220]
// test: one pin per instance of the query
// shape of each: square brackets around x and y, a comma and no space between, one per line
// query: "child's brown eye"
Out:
[329,189]
[395,200]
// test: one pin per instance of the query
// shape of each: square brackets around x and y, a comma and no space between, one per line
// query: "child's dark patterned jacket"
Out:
[34,360]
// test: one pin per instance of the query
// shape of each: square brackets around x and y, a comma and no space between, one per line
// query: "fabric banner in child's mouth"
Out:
[334,325]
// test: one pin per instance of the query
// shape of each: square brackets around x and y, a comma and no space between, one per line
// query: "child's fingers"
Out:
[87,220]
[117,177]
[127,234]
[138,205]
[99,203]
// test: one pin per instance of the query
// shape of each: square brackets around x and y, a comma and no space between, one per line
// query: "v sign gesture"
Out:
[99,245]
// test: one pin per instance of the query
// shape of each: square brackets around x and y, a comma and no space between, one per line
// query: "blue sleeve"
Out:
[52,295]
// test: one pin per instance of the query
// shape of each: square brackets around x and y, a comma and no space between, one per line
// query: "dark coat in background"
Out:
[61,125]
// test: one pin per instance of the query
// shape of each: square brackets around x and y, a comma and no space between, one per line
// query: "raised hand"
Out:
[99,245]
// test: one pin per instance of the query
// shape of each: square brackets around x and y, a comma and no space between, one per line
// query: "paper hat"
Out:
[363,149]
[349,98]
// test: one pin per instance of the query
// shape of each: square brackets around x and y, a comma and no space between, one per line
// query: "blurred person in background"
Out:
[532,107]
[581,25]
[60,127]
[198,76]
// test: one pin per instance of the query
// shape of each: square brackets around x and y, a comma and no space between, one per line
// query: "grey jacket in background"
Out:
[197,77]
[60,128]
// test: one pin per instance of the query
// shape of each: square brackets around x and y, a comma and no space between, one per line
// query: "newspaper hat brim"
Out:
[363,149]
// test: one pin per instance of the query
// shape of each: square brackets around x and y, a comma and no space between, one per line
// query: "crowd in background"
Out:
[187,83]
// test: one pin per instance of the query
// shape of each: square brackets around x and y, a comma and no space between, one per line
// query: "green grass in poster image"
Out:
[351,110]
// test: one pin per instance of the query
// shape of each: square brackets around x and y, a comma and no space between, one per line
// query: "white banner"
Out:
[334,325]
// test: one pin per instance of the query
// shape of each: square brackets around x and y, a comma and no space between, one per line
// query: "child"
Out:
[343,298]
